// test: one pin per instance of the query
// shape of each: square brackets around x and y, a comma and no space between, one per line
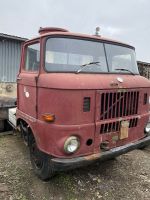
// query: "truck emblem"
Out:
[120,79]
[113,84]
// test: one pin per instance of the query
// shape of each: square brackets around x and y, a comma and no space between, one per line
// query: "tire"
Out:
[41,162]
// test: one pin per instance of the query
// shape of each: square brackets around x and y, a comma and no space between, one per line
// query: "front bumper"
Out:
[61,164]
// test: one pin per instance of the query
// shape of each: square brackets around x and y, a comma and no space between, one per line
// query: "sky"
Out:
[124,20]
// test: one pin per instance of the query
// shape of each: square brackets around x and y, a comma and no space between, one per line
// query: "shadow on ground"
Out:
[127,177]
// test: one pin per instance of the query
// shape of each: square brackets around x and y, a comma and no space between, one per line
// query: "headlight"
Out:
[147,128]
[71,144]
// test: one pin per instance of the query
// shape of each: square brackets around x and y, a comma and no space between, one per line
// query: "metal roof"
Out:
[143,63]
[12,37]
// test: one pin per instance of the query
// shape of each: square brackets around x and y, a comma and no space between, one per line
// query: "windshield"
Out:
[122,58]
[70,55]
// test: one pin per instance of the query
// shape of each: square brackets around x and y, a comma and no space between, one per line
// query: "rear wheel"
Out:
[41,162]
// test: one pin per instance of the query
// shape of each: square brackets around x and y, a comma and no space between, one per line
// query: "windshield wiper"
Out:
[85,65]
[123,69]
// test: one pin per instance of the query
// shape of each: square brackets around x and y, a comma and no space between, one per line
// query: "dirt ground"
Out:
[126,177]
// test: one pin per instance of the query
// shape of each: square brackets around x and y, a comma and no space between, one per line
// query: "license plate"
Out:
[124,130]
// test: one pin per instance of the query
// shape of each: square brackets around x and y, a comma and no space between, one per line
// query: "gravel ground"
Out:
[126,177]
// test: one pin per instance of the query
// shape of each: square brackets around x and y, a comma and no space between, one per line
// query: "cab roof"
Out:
[53,31]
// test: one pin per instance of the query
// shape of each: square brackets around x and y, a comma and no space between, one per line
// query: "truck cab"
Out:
[80,98]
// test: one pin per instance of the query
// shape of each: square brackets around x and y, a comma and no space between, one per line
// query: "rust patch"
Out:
[92,157]
[115,138]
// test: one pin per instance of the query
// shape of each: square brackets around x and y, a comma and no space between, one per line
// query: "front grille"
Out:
[115,126]
[118,104]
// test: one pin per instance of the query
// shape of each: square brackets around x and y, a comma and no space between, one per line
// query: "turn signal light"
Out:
[48,117]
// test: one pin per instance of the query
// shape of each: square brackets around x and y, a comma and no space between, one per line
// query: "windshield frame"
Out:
[99,40]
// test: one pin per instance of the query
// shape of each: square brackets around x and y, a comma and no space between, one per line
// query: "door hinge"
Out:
[36,78]
[36,108]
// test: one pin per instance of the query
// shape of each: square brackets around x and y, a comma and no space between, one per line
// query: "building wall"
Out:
[144,69]
[10,51]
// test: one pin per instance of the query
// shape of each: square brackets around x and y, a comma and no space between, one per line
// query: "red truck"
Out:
[80,99]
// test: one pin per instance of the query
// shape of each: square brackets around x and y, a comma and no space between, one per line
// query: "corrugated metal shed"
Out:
[10,49]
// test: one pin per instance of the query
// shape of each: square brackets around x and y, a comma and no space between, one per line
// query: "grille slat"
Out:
[102,102]
[136,99]
[128,107]
[119,104]
[125,103]
[106,105]
[137,102]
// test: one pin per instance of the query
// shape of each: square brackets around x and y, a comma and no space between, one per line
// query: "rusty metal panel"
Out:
[7,102]
[9,59]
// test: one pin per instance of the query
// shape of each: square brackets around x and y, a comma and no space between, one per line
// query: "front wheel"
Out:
[41,162]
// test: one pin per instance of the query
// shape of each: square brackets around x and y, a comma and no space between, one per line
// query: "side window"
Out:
[32,60]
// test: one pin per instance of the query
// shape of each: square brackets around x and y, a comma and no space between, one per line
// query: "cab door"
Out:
[27,79]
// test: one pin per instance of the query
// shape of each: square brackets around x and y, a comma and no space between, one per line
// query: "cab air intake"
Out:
[86,104]
[51,29]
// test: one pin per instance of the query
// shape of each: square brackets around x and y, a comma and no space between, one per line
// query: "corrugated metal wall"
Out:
[9,60]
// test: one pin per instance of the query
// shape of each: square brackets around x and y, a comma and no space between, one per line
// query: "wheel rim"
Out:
[37,157]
